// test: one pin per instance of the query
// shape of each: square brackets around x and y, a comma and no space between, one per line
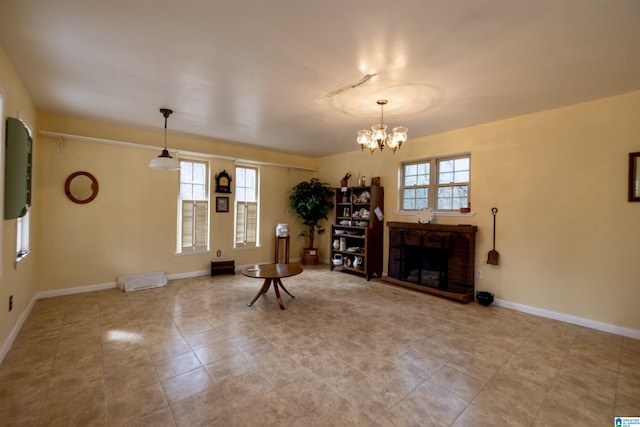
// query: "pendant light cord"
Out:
[166,113]
[165,130]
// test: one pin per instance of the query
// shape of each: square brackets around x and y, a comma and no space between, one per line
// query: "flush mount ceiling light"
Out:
[377,137]
[164,161]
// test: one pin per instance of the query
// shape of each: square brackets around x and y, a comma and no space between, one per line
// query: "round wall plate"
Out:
[425,215]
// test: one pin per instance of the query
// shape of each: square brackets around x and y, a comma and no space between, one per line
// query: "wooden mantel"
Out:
[436,259]
[451,228]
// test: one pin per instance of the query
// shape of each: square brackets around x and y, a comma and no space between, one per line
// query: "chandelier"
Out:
[377,137]
[164,161]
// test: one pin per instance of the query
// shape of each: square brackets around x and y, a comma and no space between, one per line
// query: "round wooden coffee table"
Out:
[272,273]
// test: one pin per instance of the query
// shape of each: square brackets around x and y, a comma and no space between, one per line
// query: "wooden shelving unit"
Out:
[358,230]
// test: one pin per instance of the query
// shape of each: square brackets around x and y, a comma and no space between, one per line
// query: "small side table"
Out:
[286,250]
[272,273]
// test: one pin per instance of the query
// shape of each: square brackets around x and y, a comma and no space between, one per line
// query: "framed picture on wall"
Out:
[222,204]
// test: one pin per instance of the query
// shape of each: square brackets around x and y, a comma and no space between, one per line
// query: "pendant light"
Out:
[164,161]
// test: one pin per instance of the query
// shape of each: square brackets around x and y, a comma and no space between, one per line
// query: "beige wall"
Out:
[567,236]
[568,239]
[131,226]
[18,282]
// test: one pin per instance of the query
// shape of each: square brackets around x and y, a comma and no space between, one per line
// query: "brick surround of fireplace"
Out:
[433,258]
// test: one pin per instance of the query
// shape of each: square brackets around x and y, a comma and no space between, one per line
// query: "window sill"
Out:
[246,248]
[20,259]
[437,213]
[191,253]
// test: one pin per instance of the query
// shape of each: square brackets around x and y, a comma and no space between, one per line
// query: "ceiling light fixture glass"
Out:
[377,137]
[164,161]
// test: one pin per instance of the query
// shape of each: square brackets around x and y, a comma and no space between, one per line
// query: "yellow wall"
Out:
[131,226]
[18,282]
[567,237]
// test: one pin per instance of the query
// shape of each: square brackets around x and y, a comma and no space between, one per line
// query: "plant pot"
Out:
[310,256]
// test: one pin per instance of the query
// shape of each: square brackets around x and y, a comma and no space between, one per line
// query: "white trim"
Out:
[567,318]
[155,148]
[245,248]
[189,275]
[6,346]
[208,251]
[18,261]
[109,285]
[78,290]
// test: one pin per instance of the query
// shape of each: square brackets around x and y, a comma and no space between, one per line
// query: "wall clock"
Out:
[223,182]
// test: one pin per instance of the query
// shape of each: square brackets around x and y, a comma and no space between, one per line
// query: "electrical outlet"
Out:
[10,302]
[219,253]
[478,274]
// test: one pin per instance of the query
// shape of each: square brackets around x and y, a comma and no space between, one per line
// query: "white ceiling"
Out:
[261,71]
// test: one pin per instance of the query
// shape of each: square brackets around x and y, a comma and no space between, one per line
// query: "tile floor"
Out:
[345,352]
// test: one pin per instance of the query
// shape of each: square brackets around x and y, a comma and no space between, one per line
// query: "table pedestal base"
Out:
[277,283]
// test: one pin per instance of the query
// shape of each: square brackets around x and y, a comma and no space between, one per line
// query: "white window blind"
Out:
[195,215]
[193,224]
[246,223]
[247,207]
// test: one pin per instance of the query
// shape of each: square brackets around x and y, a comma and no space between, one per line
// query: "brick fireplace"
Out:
[433,258]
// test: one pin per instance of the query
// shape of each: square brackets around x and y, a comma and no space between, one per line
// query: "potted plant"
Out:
[311,200]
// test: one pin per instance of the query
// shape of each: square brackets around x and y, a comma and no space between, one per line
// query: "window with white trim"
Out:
[193,207]
[22,149]
[439,183]
[247,212]
[22,235]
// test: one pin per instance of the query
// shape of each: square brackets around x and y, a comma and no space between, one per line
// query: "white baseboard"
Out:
[78,290]
[580,321]
[188,275]
[16,329]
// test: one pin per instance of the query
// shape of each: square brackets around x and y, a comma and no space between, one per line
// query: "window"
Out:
[442,184]
[17,189]
[246,207]
[22,236]
[193,207]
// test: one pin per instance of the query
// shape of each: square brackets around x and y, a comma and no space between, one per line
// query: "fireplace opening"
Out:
[426,265]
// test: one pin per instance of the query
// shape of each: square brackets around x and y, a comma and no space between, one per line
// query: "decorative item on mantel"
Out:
[344,182]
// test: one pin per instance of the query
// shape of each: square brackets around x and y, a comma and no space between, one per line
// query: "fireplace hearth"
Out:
[433,258]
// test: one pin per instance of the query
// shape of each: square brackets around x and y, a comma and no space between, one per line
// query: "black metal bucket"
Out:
[484,298]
